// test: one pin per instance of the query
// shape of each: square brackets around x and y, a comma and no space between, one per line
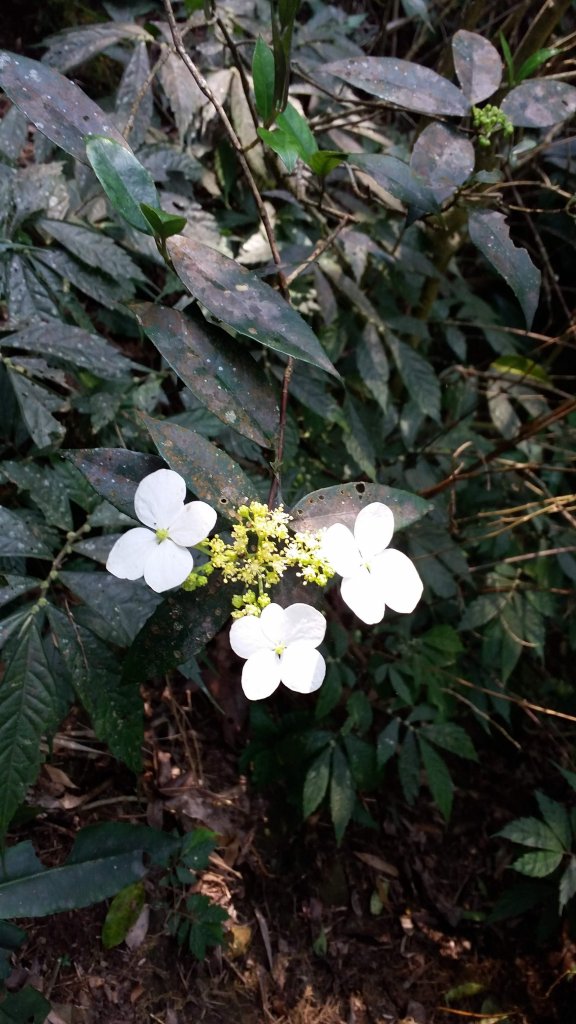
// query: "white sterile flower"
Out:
[160,554]
[280,647]
[374,575]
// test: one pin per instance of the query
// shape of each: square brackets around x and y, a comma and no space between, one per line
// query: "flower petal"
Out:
[304,623]
[341,550]
[192,524]
[273,623]
[398,580]
[302,667]
[373,529]
[167,566]
[246,636]
[159,498]
[261,674]
[130,553]
[363,594]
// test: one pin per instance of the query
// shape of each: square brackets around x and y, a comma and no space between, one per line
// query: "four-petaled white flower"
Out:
[160,554]
[374,575]
[280,646]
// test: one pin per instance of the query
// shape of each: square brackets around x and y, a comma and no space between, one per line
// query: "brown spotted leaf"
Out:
[540,103]
[408,85]
[341,504]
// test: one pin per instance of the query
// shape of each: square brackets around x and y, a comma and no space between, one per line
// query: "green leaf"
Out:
[125,181]
[409,767]
[535,61]
[373,365]
[568,883]
[490,234]
[401,82]
[418,376]
[398,178]
[204,924]
[122,914]
[28,712]
[439,778]
[443,159]
[71,346]
[209,472]
[282,143]
[227,380]
[388,742]
[540,103]
[341,504]
[114,707]
[180,627]
[531,832]
[450,737]
[316,782]
[478,65]
[96,250]
[241,300]
[538,864]
[17,539]
[520,366]
[27,1006]
[556,817]
[362,761]
[163,224]
[342,793]
[507,52]
[115,472]
[197,847]
[58,108]
[417,9]
[325,160]
[115,610]
[360,711]
[11,938]
[35,401]
[263,73]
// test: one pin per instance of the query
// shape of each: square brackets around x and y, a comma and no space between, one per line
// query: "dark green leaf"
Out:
[11,938]
[362,761]
[490,233]
[115,472]
[203,924]
[163,224]
[443,159]
[284,144]
[116,609]
[72,346]
[209,472]
[263,78]
[24,1007]
[451,737]
[373,366]
[94,248]
[403,83]
[399,179]
[531,832]
[341,504]
[197,847]
[568,883]
[125,181]
[537,864]
[122,914]
[28,711]
[58,108]
[360,711]
[540,103]
[477,65]
[388,742]
[17,539]
[419,378]
[409,767]
[439,778]
[216,369]
[35,401]
[316,782]
[325,160]
[556,817]
[342,793]
[241,300]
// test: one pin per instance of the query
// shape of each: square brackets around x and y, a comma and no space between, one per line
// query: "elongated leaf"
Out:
[443,159]
[450,737]
[491,235]
[241,300]
[439,778]
[540,103]
[129,93]
[122,914]
[373,366]
[58,108]
[93,248]
[125,181]
[409,767]
[225,379]
[341,504]
[419,378]
[17,539]
[180,628]
[70,345]
[26,1005]
[399,179]
[263,77]
[114,707]
[34,402]
[342,793]
[28,711]
[105,858]
[531,832]
[538,864]
[209,472]
[73,46]
[115,472]
[316,782]
[115,609]
[407,85]
[478,65]
[387,743]
[568,883]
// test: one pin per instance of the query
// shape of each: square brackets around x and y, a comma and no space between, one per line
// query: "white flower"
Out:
[374,575]
[280,647]
[160,554]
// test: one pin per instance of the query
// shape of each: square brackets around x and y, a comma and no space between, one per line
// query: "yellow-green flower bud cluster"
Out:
[199,577]
[488,120]
[260,550]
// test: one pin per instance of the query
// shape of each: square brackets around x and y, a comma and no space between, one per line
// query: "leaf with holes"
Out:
[540,103]
[58,108]
[115,472]
[442,159]
[403,83]
[223,377]
[241,300]
[341,504]
[491,235]
[209,472]
[125,181]
[478,65]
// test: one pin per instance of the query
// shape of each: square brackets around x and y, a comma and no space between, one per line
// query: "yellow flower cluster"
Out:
[488,120]
[257,555]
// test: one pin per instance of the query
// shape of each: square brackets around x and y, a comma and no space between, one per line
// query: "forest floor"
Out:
[388,928]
